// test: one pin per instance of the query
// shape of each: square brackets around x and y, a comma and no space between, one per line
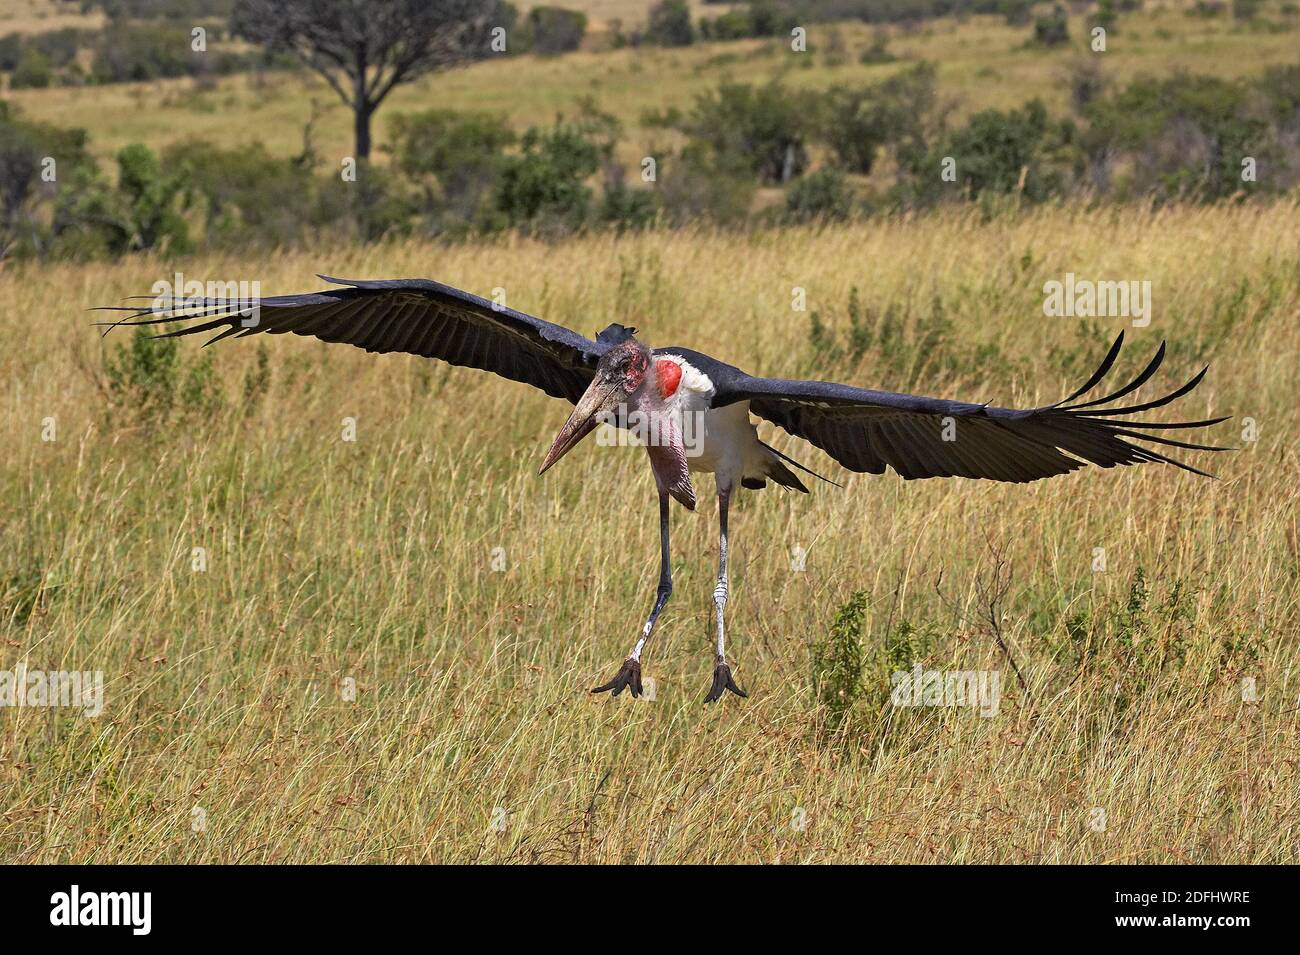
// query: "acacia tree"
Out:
[365,48]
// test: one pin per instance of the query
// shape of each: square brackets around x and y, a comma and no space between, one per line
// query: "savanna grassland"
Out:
[472,737]
[982,63]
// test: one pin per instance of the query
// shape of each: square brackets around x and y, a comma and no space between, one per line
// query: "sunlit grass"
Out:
[372,561]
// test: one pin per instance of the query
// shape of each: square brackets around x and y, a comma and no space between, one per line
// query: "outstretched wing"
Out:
[416,316]
[929,437]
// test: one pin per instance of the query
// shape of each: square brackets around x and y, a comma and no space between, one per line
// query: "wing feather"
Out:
[415,316]
[868,430]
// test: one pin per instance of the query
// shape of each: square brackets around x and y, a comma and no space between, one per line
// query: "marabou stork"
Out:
[681,394]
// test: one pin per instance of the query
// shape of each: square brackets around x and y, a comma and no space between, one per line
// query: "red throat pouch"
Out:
[670,376]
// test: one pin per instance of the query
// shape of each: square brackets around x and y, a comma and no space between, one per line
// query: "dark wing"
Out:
[930,437]
[416,316]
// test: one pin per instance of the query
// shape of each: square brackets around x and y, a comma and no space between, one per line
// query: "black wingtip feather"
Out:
[1149,405]
[1132,386]
[1102,370]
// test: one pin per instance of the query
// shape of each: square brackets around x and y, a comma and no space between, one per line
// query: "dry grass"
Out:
[42,16]
[373,561]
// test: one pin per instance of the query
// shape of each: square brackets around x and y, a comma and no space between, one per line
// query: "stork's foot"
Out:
[723,681]
[629,678]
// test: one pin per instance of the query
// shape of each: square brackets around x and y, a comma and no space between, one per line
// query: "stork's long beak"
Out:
[596,402]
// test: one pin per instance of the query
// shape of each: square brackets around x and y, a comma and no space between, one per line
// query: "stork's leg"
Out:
[630,674]
[722,679]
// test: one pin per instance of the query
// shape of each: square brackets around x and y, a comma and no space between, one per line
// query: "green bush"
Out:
[763,129]
[670,24]
[1017,13]
[55,49]
[60,46]
[837,661]
[11,51]
[700,185]
[544,187]
[852,670]
[550,30]
[858,122]
[1016,152]
[824,194]
[877,51]
[143,212]
[455,159]
[1185,135]
[151,379]
[1052,29]
[143,376]
[1105,16]
[247,194]
[626,208]
[32,72]
[733,25]
[134,52]
[25,148]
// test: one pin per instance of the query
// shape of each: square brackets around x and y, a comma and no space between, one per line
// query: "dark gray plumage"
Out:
[921,437]
[416,316]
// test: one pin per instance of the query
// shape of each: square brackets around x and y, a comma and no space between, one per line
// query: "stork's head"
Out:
[620,378]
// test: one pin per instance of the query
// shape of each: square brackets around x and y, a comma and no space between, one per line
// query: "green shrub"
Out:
[545,185]
[626,208]
[877,51]
[550,30]
[142,376]
[247,194]
[11,51]
[60,46]
[824,194]
[201,392]
[32,72]
[134,52]
[732,25]
[852,670]
[763,129]
[858,122]
[1017,13]
[1105,16]
[24,149]
[1052,29]
[143,212]
[152,379]
[257,380]
[1185,135]
[1016,152]
[455,158]
[837,662]
[669,24]
[699,185]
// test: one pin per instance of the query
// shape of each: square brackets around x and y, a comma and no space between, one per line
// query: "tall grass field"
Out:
[340,618]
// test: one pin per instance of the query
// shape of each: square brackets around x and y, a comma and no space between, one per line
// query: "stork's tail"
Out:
[778,472]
